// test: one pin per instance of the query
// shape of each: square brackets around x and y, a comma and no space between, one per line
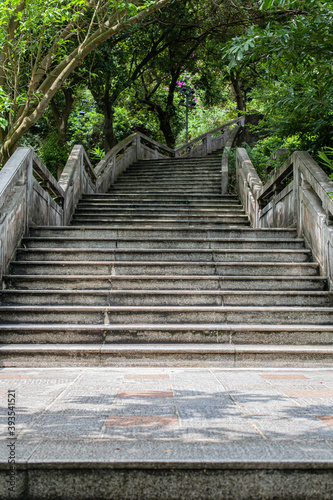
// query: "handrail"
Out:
[99,169]
[299,194]
[156,144]
[46,180]
[30,195]
[206,137]
[225,158]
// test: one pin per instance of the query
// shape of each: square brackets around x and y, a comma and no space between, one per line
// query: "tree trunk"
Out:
[165,127]
[108,111]
[62,117]
[234,77]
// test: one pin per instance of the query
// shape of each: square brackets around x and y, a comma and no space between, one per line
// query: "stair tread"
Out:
[164,263]
[319,293]
[168,308]
[165,250]
[164,277]
[241,327]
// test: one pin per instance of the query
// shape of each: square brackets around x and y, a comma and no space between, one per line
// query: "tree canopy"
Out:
[122,63]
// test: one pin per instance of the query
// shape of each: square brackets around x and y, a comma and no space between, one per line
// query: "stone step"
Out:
[162,215]
[162,243]
[126,315]
[120,268]
[214,193]
[176,201]
[143,231]
[172,176]
[182,168]
[192,211]
[157,206]
[167,355]
[232,255]
[166,298]
[205,198]
[165,283]
[224,220]
[151,191]
[176,179]
[159,185]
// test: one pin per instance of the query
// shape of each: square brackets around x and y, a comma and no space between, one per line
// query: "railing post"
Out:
[208,144]
[138,148]
[114,165]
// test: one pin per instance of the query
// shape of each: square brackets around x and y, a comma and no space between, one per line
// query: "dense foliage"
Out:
[96,70]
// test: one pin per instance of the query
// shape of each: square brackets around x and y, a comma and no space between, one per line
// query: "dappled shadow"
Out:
[198,415]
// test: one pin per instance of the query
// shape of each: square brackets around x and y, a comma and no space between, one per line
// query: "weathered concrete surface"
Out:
[170,433]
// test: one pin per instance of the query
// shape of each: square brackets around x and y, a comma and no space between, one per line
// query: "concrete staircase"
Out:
[164,269]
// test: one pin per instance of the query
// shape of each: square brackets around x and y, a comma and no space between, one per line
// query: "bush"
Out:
[54,153]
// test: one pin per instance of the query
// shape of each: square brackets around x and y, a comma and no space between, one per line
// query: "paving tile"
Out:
[8,376]
[66,426]
[270,376]
[147,407]
[147,376]
[324,393]
[153,450]
[264,402]
[23,449]
[300,427]
[142,420]
[145,394]
[327,419]
[138,433]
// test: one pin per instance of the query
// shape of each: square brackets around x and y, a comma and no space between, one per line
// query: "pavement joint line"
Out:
[240,407]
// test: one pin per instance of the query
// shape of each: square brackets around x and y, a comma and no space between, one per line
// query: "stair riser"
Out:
[154,168]
[117,255]
[202,198]
[146,202]
[163,244]
[211,221]
[161,212]
[155,205]
[164,299]
[113,232]
[167,269]
[180,178]
[167,184]
[179,283]
[165,317]
[150,191]
[173,177]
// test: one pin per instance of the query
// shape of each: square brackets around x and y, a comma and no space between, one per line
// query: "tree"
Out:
[295,52]
[42,44]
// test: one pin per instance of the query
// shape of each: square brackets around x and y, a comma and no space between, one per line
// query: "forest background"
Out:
[94,71]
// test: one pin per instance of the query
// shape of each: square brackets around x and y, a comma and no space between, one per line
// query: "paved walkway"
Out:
[169,415]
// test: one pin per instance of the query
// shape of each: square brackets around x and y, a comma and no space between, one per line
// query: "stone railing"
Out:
[30,195]
[210,141]
[135,147]
[299,194]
